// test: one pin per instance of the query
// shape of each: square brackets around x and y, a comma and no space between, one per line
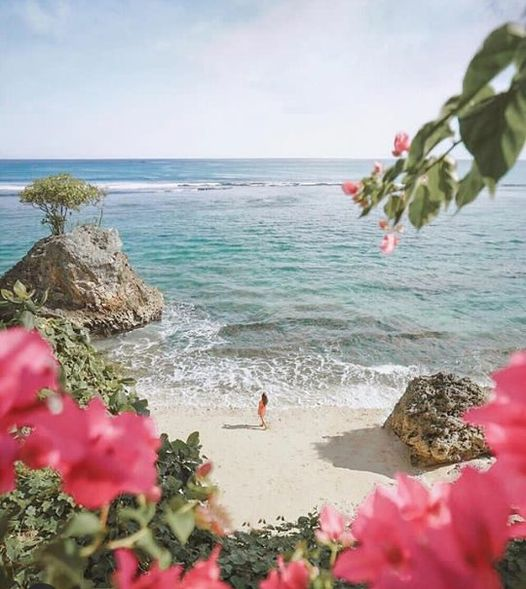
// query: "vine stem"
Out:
[128,541]
[446,153]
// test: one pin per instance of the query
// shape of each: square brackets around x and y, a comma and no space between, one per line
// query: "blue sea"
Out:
[273,283]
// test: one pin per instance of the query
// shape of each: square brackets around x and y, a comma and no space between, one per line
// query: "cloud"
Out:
[44,17]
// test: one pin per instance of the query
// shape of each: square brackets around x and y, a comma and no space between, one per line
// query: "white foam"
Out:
[185,361]
[158,186]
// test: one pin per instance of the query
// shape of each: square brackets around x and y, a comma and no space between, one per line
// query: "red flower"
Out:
[98,456]
[27,366]
[351,188]
[401,144]
[294,575]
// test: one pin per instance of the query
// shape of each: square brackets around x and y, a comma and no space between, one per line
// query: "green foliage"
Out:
[85,371]
[513,567]
[492,127]
[57,196]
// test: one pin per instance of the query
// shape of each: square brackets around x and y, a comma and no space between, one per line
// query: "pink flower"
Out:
[98,456]
[9,450]
[294,575]
[213,516]
[383,224]
[378,168]
[476,536]
[205,574]
[204,470]
[351,188]
[504,423]
[386,528]
[389,243]
[333,528]
[409,536]
[127,575]
[27,366]
[401,144]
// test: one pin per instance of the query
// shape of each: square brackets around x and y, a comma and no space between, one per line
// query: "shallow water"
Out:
[273,283]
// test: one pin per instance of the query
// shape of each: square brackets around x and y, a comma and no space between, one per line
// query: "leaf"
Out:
[469,187]
[494,132]
[20,290]
[428,137]
[497,52]
[447,179]
[394,207]
[193,439]
[424,206]
[147,543]
[63,564]
[182,522]
[391,173]
[83,524]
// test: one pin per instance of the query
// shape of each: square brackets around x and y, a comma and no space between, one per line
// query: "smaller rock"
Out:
[428,418]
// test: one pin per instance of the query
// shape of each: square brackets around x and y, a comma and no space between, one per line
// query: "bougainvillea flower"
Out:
[213,516]
[378,169]
[27,365]
[99,456]
[9,449]
[333,528]
[293,575]
[205,574]
[504,422]
[204,470]
[383,224]
[389,243]
[477,532]
[127,575]
[401,144]
[351,188]
[410,536]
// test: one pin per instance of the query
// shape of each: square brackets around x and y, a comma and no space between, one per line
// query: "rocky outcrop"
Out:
[428,418]
[89,281]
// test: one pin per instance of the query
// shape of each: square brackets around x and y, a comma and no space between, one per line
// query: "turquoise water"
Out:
[272,282]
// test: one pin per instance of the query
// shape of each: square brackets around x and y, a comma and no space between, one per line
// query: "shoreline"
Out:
[308,457]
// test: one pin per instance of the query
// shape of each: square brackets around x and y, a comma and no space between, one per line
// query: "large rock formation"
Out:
[89,280]
[428,418]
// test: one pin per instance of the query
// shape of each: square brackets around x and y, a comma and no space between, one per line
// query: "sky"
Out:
[230,78]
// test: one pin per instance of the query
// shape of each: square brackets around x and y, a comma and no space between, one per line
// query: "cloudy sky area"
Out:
[230,78]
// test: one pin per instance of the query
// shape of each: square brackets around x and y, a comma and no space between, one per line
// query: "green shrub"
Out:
[57,196]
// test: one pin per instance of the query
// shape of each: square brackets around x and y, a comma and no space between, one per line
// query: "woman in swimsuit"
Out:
[262,409]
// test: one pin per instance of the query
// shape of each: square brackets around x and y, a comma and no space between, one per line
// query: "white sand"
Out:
[307,458]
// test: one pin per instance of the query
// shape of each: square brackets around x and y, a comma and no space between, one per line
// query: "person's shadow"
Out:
[242,426]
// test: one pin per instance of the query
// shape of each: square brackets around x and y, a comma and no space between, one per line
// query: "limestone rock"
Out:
[89,281]
[428,418]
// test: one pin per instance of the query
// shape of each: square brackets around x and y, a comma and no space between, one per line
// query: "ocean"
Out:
[273,283]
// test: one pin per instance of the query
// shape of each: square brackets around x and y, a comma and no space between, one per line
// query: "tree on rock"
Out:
[57,196]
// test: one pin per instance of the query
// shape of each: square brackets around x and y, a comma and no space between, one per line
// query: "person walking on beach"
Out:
[262,409]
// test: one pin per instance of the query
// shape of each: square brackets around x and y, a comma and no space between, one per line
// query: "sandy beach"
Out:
[307,458]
